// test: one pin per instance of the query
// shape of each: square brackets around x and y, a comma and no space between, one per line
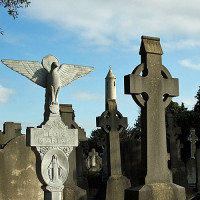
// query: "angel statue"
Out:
[49,75]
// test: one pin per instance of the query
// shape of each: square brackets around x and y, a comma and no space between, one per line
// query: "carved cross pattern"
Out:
[193,139]
[112,119]
[112,122]
[152,87]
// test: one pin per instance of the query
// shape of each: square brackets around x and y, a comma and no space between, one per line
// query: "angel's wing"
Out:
[31,69]
[69,73]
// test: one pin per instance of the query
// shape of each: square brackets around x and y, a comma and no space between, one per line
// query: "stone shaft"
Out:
[152,92]
[192,139]
[112,122]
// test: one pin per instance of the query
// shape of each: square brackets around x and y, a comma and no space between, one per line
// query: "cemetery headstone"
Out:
[75,176]
[152,88]
[112,122]
[94,161]
[191,162]
[10,131]
[53,140]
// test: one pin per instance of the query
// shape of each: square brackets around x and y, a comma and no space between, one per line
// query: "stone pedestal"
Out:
[157,191]
[116,186]
[54,142]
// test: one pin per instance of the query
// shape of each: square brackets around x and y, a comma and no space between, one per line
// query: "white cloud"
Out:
[5,93]
[117,22]
[188,102]
[187,63]
[87,96]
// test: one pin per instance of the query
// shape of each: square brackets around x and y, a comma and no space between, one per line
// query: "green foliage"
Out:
[197,105]
[97,140]
[12,6]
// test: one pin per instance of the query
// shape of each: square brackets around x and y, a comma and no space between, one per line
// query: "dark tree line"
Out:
[184,118]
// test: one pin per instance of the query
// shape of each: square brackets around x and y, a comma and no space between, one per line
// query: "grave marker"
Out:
[153,91]
[53,140]
[112,122]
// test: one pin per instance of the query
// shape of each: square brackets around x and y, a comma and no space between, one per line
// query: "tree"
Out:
[197,105]
[13,6]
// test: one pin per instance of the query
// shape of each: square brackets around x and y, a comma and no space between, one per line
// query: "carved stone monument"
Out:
[94,161]
[152,87]
[53,139]
[72,189]
[177,165]
[191,162]
[112,122]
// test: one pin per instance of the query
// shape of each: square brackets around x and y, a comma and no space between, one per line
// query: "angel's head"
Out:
[54,65]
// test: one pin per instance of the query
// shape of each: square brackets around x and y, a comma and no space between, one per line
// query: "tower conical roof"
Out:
[110,74]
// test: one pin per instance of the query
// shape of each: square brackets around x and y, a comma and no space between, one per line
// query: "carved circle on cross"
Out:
[140,99]
[106,127]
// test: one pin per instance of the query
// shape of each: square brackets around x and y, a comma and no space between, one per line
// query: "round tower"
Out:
[110,86]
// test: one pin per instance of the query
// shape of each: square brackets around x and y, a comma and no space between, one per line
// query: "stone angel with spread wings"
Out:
[49,75]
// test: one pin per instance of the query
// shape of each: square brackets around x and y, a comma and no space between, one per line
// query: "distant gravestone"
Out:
[152,87]
[71,190]
[53,140]
[191,162]
[11,130]
[94,161]
[112,122]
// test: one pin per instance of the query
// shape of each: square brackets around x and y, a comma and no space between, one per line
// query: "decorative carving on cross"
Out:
[112,122]
[152,87]
[192,139]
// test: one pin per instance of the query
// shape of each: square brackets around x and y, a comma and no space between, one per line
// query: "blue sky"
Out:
[98,34]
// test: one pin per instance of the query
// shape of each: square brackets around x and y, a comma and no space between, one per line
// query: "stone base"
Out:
[74,193]
[116,186]
[157,191]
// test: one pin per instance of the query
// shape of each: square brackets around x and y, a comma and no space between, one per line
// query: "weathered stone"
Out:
[76,161]
[192,139]
[198,169]
[18,178]
[153,91]
[50,75]
[94,161]
[112,122]
[11,130]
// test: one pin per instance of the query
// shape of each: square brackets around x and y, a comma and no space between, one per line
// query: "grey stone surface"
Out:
[10,131]
[49,75]
[53,133]
[153,91]
[94,161]
[18,178]
[76,161]
[192,139]
[198,168]
[110,86]
[112,122]
[191,172]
